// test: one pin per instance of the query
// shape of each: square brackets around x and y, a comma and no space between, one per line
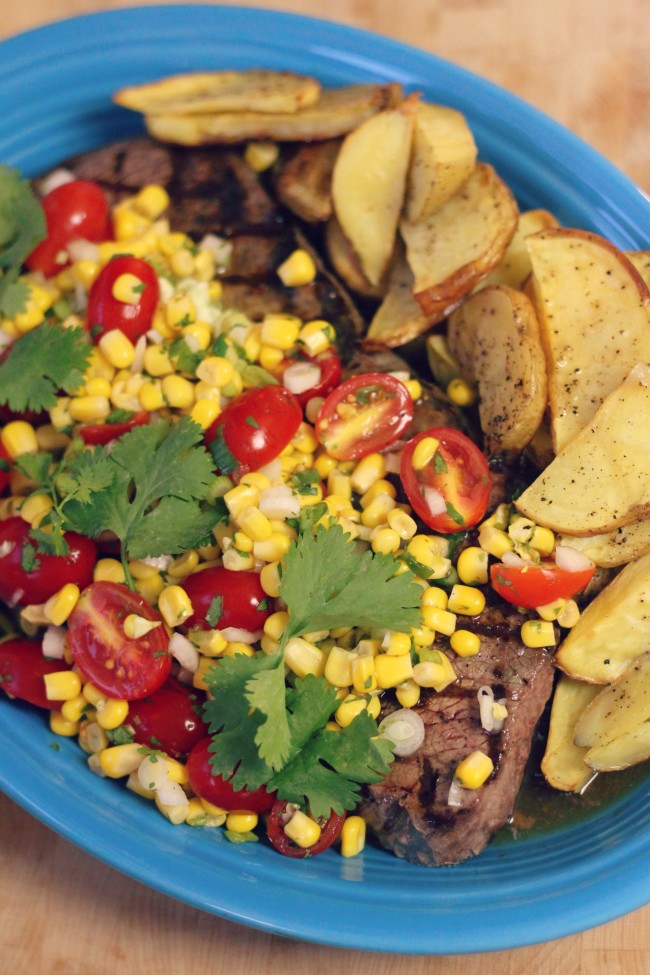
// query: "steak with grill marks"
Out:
[409,811]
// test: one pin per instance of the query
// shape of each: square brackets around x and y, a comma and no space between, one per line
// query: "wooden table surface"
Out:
[585,63]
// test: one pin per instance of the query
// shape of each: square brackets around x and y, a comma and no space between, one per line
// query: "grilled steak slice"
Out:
[409,812]
[214,191]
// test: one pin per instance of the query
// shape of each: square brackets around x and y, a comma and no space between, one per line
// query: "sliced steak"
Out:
[408,811]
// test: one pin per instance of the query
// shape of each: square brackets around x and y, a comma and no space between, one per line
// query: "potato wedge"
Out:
[368,186]
[444,156]
[399,318]
[515,267]
[613,630]
[563,764]
[629,749]
[198,92]
[346,263]
[452,250]
[337,111]
[494,335]
[641,261]
[594,311]
[613,548]
[303,181]
[618,709]
[601,480]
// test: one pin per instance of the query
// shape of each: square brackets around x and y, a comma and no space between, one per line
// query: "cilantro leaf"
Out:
[183,357]
[326,584]
[22,227]
[215,611]
[224,459]
[41,362]
[267,692]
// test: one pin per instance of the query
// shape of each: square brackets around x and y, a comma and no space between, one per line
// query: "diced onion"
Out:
[511,558]
[393,461]
[405,728]
[571,559]
[434,501]
[485,703]
[54,642]
[160,562]
[6,548]
[233,634]
[279,502]
[220,248]
[58,177]
[456,793]
[140,347]
[153,772]
[81,249]
[171,794]
[272,470]
[301,376]
[185,652]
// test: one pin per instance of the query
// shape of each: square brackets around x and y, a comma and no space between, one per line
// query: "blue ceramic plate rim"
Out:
[55,84]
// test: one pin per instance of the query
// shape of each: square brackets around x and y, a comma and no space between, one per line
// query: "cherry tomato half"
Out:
[329,366]
[124,668]
[170,719]
[257,426]
[73,211]
[330,830]
[222,598]
[105,312]
[217,790]
[457,477]
[364,414]
[22,669]
[48,573]
[536,585]
[99,434]
[5,468]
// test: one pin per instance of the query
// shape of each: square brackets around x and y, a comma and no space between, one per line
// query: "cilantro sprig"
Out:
[22,227]
[40,363]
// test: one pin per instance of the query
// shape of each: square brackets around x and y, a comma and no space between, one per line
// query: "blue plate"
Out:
[55,87]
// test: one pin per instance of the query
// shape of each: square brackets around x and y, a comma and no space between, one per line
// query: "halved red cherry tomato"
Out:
[22,669]
[124,668]
[329,366]
[257,426]
[216,789]
[105,312]
[457,479]
[5,468]
[75,210]
[536,585]
[222,598]
[170,719]
[280,815]
[96,434]
[27,577]
[364,414]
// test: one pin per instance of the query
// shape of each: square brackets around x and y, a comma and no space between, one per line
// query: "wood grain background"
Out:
[585,63]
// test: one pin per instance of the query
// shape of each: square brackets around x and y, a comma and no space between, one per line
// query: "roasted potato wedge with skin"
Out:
[594,311]
[563,764]
[399,318]
[621,753]
[303,180]
[368,186]
[346,263]
[515,267]
[198,92]
[337,111]
[494,335]
[444,156]
[614,548]
[601,480]
[451,251]
[618,709]
[613,630]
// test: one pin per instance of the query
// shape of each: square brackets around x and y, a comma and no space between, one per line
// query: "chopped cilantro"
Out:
[224,460]
[119,416]
[184,358]
[454,514]
[439,463]
[304,482]
[22,227]
[233,837]
[252,422]
[40,363]
[215,611]
[120,736]
[29,560]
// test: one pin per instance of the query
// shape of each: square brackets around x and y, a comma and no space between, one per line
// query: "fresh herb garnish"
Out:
[22,227]
[215,612]
[224,459]
[40,363]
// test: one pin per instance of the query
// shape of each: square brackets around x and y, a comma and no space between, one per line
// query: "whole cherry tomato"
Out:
[96,434]
[328,366]
[5,468]
[27,577]
[364,414]
[451,492]
[222,598]
[255,428]
[105,312]
[530,586]
[73,211]
[217,790]
[22,669]
[281,814]
[120,666]
[170,719]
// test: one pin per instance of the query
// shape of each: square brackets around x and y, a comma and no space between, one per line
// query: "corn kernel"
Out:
[276,624]
[127,289]
[395,644]
[89,409]
[302,658]
[198,680]
[210,643]
[538,633]
[569,615]
[472,566]
[117,348]
[279,332]
[59,606]
[216,371]
[542,540]
[338,667]
[152,201]
[461,392]
[63,685]
[205,412]
[353,836]
[150,396]
[495,541]
[303,830]
[112,713]
[466,600]
[117,761]
[273,549]
[440,620]
[408,693]
[140,569]
[73,709]
[270,358]
[135,626]
[19,437]
[237,561]
[270,579]
[174,605]
[261,155]
[369,470]
[465,643]
[61,726]
[92,694]
[392,670]
[434,596]
[50,439]
[241,822]
[363,673]
[298,269]
[403,524]
[551,611]
[424,453]
[256,525]
[178,392]
[240,497]
[376,513]
[474,770]
[35,508]
[234,648]
[180,310]
[435,673]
